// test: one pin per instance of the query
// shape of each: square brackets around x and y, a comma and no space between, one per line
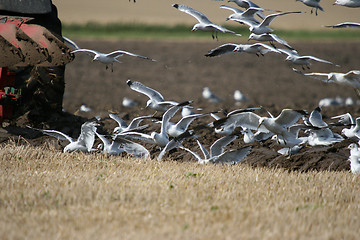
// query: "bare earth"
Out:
[180,73]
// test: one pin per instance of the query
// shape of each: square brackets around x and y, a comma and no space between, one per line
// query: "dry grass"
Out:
[46,194]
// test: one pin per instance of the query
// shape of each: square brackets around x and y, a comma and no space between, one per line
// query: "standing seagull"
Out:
[156,100]
[109,58]
[313,4]
[204,23]
[263,26]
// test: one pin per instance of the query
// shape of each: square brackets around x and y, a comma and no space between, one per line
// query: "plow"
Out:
[26,46]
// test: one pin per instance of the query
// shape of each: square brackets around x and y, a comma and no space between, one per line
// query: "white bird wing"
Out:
[345,119]
[266,22]
[70,42]
[264,46]
[218,146]
[251,11]
[136,121]
[203,150]
[315,59]
[354,75]
[132,148]
[288,52]
[202,18]
[83,50]
[136,136]
[318,76]
[232,156]
[119,120]
[235,10]
[149,92]
[346,24]
[169,114]
[169,146]
[187,120]
[195,155]
[280,40]
[289,117]
[105,141]
[56,134]
[119,53]
[221,50]
[87,135]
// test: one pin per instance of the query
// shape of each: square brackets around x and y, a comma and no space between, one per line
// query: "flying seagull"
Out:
[204,23]
[295,58]
[156,100]
[109,58]
[269,37]
[345,24]
[263,26]
[84,142]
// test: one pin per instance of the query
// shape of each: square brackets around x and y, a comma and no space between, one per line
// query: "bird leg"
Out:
[272,44]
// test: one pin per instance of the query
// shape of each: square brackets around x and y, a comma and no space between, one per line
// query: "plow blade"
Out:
[32,53]
[57,52]
[31,45]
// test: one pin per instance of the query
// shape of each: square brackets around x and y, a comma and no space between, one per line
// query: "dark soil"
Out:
[180,73]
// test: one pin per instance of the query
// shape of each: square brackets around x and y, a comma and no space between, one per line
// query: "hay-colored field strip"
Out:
[46,194]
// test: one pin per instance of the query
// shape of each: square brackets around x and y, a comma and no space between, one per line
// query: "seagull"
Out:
[156,100]
[270,37]
[175,130]
[315,118]
[263,26]
[217,153]
[351,78]
[322,137]
[239,14]
[128,103]
[84,108]
[208,95]
[256,48]
[161,139]
[354,158]
[133,126]
[293,57]
[348,3]
[109,58]
[348,120]
[239,97]
[282,122]
[313,4]
[345,24]
[244,118]
[85,141]
[120,145]
[248,4]
[204,23]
